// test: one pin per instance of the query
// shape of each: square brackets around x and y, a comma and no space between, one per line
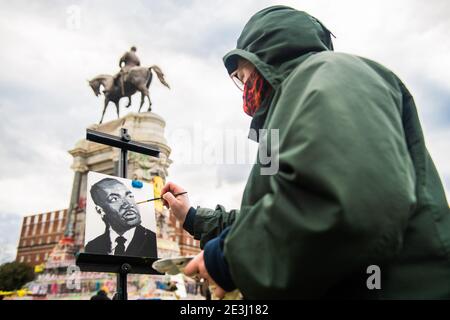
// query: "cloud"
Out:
[9,233]
[438,145]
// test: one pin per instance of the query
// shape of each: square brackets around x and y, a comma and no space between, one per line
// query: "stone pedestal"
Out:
[88,156]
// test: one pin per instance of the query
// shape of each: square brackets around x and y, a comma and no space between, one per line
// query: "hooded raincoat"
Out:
[354,184]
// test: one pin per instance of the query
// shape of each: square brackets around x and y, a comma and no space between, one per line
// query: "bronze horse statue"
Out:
[137,79]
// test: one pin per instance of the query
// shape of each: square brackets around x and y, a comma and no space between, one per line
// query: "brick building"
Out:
[41,232]
[39,235]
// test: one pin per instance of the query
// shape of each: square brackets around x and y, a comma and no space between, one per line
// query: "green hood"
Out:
[276,40]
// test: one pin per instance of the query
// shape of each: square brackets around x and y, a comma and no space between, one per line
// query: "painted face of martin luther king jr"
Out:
[118,205]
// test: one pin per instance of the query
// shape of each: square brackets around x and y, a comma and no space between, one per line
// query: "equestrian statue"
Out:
[130,79]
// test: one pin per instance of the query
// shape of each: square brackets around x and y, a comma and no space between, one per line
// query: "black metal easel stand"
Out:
[121,265]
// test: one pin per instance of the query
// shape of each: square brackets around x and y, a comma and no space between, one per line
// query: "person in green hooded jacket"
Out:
[353,188]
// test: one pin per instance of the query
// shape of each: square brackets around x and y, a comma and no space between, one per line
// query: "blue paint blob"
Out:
[137,184]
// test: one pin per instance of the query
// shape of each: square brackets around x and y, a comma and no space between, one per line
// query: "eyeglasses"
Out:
[234,75]
[238,82]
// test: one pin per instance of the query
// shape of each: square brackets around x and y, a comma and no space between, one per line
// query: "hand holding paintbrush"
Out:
[178,206]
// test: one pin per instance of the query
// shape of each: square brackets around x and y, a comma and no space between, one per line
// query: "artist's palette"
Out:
[172,266]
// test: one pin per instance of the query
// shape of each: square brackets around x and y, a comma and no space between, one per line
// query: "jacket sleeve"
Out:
[341,198]
[210,223]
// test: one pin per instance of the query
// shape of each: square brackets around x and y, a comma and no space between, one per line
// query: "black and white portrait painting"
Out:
[115,223]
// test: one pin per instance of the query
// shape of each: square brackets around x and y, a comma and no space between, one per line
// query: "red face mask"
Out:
[256,89]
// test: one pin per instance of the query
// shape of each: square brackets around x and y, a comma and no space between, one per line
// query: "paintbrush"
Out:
[176,194]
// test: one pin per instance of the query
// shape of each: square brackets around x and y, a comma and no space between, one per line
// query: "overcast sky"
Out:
[50,48]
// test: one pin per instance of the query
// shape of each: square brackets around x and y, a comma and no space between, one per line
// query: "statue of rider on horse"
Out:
[130,79]
[130,60]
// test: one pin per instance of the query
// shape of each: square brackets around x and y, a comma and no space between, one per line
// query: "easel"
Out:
[122,265]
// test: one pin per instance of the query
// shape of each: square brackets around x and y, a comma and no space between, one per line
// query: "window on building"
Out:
[49,239]
[21,259]
[46,255]
[31,242]
[38,256]
[40,241]
[24,243]
[27,231]
[42,227]
[29,259]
